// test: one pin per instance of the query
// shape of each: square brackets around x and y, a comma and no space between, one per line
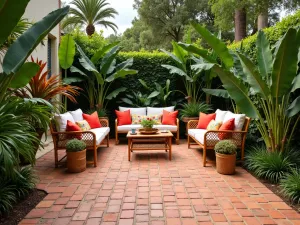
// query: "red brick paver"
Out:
[151,190]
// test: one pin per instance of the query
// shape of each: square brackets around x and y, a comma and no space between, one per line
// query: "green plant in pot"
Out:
[76,156]
[148,124]
[191,111]
[225,157]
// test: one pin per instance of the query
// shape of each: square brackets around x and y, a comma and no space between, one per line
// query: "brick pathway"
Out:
[152,190]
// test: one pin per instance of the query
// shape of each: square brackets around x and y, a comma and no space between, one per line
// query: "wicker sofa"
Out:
[94,138]
[207,139]
[146,111]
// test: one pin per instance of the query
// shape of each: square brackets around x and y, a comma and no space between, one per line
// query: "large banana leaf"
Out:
[120,74]
[176,70]
[264,55]
[217,45]
[24,75]
[99,54]
[217,92]
[154,94]
[294,108]
[253,77]
[179,52]
[11,11]
[198,51]
[237,91]
[70,80]
[66,51]
[125,64]
[285,64]
[19,51]
[296,83]
[74,69]
[176,59]
[202,66]
[108,60]
[115,93]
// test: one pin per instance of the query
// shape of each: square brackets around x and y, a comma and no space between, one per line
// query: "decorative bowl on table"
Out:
[148,131]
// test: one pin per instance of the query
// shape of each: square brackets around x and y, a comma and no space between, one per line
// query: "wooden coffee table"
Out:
[137,141]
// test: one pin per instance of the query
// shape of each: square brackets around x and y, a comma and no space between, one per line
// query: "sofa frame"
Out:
[176,133]
[89,137]
[239,141]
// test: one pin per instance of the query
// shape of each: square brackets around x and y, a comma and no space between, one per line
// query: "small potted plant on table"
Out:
[148,124]
[225,157]
[76,156]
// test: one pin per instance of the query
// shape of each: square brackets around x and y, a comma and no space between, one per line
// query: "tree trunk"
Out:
[90,29]
[240,24]
[262,20]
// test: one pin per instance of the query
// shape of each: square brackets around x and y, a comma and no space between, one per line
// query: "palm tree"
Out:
[90,13]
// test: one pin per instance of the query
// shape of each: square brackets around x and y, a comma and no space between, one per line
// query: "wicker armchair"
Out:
[211,138]
[60,140]
[117,132]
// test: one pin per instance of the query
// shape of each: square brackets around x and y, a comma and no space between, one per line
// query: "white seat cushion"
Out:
[166,127]
[137,111]
[193,132]
[159,111]
[198,134]
[126,128]
[61,121]
[239,120]
[77,115]
[100,134]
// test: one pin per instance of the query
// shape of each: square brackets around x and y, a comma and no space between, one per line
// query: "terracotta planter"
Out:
[76,161]
[225,163]
[148,128]
[187,119]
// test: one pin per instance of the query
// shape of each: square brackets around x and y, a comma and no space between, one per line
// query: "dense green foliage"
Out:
[291,186]
[75,145]
[225,147]
[273,34]
[194,108]
[271,166]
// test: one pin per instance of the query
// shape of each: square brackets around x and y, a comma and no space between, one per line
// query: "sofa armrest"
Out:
[104,122]
[192,124]
[237,136]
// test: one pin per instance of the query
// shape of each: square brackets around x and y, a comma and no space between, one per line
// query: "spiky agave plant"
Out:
[40,86]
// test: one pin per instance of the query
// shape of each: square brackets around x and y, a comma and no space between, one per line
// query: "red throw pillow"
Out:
[73,127]
[124,118]
[204,120]
[92,119]
[228,125]
[169,118]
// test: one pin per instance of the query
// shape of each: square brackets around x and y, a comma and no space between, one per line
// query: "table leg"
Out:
[170,148]
[129,148]
[166,143]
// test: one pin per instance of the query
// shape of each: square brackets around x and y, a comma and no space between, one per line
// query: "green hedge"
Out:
[273,33]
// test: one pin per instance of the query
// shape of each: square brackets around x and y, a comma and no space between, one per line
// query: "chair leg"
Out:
[177,138]
[56,157]
[117,138]
[204,156]
[107,139]
[242,152]
[189,141]
[95,156]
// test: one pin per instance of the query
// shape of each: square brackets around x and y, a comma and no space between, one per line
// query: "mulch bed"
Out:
[23,207]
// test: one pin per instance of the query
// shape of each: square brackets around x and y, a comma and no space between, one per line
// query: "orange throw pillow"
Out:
[124,118]
[93,120]
[169,118]
[204,120]
[73,127]
[228,125]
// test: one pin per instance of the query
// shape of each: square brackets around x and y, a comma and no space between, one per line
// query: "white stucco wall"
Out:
[35,11]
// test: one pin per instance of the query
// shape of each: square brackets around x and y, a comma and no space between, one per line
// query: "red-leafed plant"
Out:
[40,86]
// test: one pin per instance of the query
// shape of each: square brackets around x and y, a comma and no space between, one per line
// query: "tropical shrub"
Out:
[98,82]
[193,109]
[271,166]
[225,147]
[290,186]
[137,99]
[75,145]
[272,82]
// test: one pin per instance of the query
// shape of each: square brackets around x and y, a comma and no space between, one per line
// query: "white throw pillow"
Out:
[239,120]
[77,115]
[137,111]
[61,121]
[220,115]
[159,111]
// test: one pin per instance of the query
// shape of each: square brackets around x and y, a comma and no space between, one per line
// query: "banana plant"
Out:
[182,67]
[16,72]
[98,81]
[138,99]
[272,82]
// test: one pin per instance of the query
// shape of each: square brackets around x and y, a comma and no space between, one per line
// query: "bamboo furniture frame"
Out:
[60,140]
[238,137]
[176,133]
[164,138]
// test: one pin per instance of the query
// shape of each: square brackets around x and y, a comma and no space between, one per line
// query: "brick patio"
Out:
[152,190]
